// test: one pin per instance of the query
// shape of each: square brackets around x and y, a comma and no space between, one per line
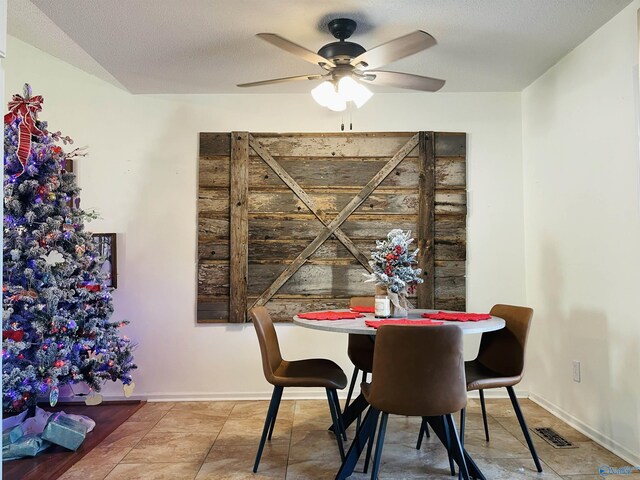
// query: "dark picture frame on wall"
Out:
[107,248]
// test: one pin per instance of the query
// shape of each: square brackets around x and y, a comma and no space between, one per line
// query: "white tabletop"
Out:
[358,326]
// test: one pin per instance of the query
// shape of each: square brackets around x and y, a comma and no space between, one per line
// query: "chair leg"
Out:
[367,457]
[523,426]
[463,418]
[424,428]
[457,446]
[379,444]
[275,415]
[336,422]
[484,415]
[271,415]
[354,379]
[447,436]
[336,400]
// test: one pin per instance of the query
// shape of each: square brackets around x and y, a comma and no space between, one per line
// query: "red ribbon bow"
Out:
[15,335]
[25,109]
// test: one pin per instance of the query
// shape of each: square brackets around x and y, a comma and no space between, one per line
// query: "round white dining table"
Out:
[358,326]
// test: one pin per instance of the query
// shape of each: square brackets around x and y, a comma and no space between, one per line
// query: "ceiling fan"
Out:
[349,66]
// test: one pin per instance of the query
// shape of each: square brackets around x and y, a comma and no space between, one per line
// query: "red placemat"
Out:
[360,309]
[457,316]
[330,315]
[399,321]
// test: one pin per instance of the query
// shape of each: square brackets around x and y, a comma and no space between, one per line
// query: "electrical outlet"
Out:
[576,371]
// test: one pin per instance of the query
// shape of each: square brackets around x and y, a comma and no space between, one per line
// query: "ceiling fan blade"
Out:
[284,79]
[394,50]
[296,49]
[403,80]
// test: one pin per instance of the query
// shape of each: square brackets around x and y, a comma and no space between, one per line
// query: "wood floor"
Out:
[218,440]
[56,460]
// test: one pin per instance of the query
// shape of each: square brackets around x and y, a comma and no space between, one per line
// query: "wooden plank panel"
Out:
[239,227]
[450,287]
[213,172]
[216,202]
[449,228]
[426,220]
[215,144]
[450,144]
[213,203]
[335,145]
[213,309]
[451,250]
[213,228]
[451,172]
[284,249]
[453,303]
[323,172]
[213,280]
[306,227]
[333,280]
[332,203]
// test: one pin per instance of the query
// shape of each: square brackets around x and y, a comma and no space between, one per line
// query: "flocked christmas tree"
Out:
[56,305]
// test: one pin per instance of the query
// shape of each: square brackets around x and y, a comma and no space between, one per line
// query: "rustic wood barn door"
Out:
[288,220]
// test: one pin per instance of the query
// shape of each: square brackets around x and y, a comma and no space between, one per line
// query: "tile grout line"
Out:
[204,460]
[293,421]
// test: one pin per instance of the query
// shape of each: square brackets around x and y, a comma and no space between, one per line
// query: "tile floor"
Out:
[218,440]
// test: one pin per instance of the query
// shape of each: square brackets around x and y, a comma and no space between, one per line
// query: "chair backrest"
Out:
[418,371]
[268,339]
[503,350]
[362,302]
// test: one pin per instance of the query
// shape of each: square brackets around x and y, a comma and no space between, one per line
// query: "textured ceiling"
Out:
[208,46]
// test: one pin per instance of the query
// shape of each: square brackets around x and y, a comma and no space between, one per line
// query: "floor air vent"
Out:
[553,438]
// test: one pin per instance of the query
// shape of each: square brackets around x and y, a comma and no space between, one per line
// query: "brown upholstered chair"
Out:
[500,363]
[418,371]
[360,348]
[315,372]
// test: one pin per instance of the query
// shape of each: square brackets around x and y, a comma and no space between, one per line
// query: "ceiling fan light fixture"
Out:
[353,91]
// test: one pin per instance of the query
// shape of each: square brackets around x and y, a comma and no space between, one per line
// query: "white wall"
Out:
[141,175]
[582,217]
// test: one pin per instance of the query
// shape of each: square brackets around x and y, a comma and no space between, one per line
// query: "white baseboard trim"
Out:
[289,394]
[598,437]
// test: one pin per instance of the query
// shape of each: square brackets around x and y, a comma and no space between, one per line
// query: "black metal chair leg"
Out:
[275,415]
[421,433]
[367,457]
[463,418]
[484,415]
[340,422]
[354,379]
[447,436]
[379,444]
[457,446]
[336,422]
[523,426]
[271,415]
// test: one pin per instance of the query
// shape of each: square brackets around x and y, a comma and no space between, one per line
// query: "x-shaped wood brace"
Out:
[330,227]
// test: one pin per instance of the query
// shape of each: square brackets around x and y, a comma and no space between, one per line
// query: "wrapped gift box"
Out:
[25,446]
[65,431]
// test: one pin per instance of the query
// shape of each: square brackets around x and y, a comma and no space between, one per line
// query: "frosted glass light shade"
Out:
[325,94]
[336,98]
[352,91]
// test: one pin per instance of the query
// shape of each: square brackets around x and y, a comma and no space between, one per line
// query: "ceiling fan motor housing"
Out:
[341,51]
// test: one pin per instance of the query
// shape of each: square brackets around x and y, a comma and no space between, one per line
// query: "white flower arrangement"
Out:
[392,264]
